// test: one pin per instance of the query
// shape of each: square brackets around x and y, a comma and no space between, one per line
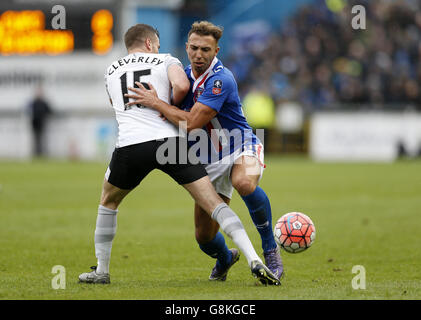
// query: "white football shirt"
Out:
[137,124]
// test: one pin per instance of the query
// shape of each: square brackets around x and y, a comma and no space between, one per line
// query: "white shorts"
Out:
[220,172]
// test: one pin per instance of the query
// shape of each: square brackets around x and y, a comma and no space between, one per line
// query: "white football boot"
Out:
[93,277]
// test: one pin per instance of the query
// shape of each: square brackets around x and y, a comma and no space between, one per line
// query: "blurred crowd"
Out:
[318,60]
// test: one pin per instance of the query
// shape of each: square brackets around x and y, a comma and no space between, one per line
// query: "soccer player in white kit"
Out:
[141,133]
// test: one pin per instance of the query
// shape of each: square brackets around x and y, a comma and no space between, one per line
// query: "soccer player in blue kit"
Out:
[234,158]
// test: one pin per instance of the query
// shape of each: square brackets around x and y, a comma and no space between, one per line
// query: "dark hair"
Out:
[137,34]
[206,28]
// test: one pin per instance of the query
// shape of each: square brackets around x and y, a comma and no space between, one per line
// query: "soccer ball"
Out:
[294,232]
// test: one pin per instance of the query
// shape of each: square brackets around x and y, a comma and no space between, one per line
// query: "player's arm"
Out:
[198,116]
[179,82]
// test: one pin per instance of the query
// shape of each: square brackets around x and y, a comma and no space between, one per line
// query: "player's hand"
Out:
[142,96]
[161,115]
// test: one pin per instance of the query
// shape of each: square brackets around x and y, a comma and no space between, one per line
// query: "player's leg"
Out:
[245,176]
[128,166]
[106,224]
[209,239]
[194,178]
[105,230]
[206,197]
[212,242]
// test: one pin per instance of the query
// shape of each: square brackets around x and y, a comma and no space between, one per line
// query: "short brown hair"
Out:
[206,28]
[137,34]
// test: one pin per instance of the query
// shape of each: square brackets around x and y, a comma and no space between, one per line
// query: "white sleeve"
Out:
[170,60]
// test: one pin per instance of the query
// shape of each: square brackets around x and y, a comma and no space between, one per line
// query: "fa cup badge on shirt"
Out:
[217,87]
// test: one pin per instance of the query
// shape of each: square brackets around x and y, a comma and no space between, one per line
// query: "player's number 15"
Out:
[136,77]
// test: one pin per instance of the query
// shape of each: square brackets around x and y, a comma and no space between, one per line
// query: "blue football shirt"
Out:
[228,130]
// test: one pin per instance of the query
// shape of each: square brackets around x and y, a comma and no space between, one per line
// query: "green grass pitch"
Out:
[365,214]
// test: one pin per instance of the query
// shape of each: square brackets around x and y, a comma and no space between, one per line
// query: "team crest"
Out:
[217,87]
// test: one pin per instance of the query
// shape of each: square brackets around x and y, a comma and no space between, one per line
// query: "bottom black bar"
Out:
[213,309]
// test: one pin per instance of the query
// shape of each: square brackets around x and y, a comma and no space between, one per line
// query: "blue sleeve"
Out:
[217,90]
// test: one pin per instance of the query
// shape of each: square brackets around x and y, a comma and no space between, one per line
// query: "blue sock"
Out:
[260,211]
[217,248]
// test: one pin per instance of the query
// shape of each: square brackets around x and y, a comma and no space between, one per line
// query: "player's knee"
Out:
[244,185]
[110,201]
[204,235]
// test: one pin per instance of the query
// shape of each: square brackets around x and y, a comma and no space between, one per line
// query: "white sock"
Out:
[233,228]
[106,227]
